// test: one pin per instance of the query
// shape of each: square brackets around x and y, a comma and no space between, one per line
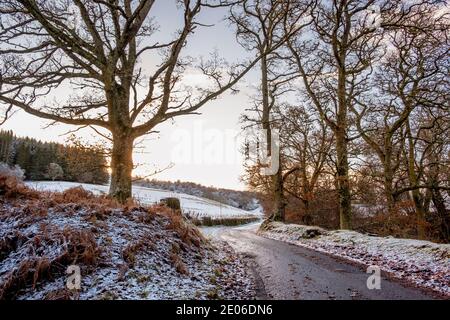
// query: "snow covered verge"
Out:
[195,207]
[423,263]
[123,252]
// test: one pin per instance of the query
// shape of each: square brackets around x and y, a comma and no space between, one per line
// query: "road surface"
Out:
[286,271]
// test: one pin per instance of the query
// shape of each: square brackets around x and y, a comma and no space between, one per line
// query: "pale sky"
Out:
[202,147]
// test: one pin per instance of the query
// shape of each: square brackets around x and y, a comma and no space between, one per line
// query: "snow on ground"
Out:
[194,206]
[132,253]
[214,231]
[423,263]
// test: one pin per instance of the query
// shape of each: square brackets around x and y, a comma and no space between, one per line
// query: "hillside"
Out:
[192,206]
[245,200]
[123,251]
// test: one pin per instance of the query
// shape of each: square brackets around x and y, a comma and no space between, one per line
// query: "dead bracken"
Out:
[124,251]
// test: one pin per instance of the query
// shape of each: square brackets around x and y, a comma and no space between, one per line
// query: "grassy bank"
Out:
[117,251]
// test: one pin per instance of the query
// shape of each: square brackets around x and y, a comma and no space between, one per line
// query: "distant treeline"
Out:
[50,160]
[245,200]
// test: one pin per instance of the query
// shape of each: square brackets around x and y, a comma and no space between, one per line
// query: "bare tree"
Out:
[306,143]
[437,140]
[425,162]
[94,49]
[411,75]
[260,29]
[335,62]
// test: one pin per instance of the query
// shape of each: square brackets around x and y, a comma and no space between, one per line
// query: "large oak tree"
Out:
[94,49]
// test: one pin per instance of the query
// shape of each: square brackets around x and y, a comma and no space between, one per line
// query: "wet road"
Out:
[292,272]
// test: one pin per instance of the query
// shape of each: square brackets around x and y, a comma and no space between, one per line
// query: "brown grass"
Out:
[79,247]
[61,294]
[82,197]
[130,251]
[176,260]
[10,243]
[400,224]
[185,230]
[13,188]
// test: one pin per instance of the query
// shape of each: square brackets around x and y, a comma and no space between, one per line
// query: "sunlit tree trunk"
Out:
[121,168]
[101,57]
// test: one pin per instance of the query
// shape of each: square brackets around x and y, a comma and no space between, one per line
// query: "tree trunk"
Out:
[277,179]
[420,213]
[307,218]
[388,190]
[345,211]
[413,180]
[121,168]
[443,213]
[435,195]
[279,200]
[427,200]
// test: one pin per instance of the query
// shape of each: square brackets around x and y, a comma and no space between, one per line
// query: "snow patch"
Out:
[211,269]
[193,206]
[424,263]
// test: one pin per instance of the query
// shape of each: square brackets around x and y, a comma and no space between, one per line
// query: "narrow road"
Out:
[286,271]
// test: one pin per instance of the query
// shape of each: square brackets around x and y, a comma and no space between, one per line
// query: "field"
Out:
[196,208]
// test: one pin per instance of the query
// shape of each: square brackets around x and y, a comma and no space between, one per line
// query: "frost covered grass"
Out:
[192,206]
[123,251]
[423,263]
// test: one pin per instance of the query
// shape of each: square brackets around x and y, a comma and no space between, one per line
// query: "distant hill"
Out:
[245,200]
